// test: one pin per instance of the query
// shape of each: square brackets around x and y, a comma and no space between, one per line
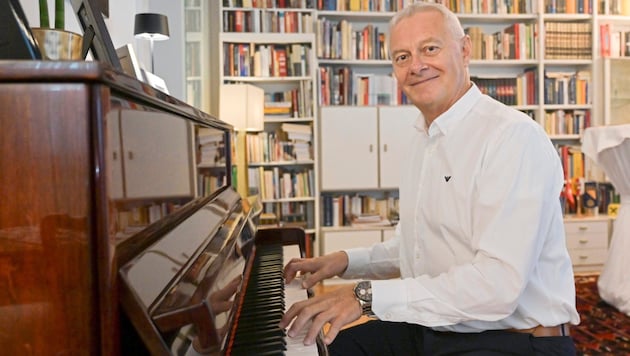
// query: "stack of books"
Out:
[300,137]
[211,146]
[278,109]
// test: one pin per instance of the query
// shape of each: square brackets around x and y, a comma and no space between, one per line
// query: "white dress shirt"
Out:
[480,244]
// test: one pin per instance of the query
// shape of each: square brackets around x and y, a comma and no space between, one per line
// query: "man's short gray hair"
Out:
[452,22]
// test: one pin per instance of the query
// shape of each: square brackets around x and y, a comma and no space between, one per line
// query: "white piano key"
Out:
[293,293]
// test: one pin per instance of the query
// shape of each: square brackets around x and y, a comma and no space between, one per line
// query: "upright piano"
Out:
[120,232]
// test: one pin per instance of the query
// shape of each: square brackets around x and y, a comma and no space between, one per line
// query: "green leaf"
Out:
[60,16]
[44,20]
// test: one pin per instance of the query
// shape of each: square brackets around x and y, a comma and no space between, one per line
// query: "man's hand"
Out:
[338,307]
[316,269]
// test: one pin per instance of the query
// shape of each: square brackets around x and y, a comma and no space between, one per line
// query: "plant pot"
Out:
[58,44]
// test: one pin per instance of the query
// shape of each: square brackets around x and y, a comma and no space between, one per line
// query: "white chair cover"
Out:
[609,147]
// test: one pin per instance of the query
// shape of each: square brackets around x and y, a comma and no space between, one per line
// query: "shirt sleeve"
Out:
[379,261]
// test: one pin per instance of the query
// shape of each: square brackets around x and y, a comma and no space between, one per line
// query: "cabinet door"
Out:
[157,160]
[396,128]
[349,153]
[343,240]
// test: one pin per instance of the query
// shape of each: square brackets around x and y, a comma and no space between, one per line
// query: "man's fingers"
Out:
[304,315]
[335,326]
[312,279]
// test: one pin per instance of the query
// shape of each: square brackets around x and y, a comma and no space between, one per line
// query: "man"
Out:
[479,250]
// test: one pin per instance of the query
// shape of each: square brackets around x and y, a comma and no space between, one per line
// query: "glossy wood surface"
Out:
[57,295]
[58,250]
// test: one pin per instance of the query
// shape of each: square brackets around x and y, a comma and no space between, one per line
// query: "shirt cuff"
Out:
[387,296]
[358,258]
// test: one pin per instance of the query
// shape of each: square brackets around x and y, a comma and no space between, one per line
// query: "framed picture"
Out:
[155,81]
[129,62]
[103,5]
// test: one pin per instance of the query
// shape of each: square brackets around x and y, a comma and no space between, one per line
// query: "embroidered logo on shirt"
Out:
[447,178]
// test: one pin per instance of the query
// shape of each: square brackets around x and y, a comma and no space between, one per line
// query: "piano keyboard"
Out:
[266,299]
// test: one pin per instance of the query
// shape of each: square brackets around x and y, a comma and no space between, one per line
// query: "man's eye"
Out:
[431,49]
[401,58]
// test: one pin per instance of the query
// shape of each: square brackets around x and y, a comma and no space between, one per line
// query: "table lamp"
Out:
[152,27]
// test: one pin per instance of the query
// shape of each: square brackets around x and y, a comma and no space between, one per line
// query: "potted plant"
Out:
[55,43]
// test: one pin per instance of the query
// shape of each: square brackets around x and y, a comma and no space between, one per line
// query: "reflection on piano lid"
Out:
[173,280]
[212,285]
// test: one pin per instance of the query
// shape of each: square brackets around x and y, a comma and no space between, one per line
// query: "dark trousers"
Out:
[384,338]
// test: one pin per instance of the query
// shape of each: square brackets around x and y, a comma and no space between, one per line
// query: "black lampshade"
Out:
[151,26]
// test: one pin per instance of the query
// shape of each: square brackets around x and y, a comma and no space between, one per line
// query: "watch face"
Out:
[363,291]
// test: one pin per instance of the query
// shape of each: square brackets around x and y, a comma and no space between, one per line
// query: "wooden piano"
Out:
[120,232]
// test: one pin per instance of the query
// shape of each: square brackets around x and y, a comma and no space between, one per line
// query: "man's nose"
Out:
[417,64]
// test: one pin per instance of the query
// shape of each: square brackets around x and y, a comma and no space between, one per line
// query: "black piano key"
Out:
[262,306]
[258,348]
[269,329]
[247,327]
[254,317]
[250,337]
[263,295]
[275,302]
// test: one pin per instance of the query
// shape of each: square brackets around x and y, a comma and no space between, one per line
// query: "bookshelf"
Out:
[196,69]
[614,56]
[273,49]
[520,58]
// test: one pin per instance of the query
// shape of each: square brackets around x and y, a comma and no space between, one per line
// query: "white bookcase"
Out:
[272,49]
[345,167]
[196,49]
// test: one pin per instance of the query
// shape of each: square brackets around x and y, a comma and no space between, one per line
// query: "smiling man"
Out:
[479,264]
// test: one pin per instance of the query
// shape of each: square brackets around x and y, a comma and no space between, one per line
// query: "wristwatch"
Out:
[363,293]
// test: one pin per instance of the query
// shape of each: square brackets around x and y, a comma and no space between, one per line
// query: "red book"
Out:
[282,62]
[238,21]
[604,40]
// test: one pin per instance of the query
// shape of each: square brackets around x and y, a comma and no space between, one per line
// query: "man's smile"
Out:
[423,81]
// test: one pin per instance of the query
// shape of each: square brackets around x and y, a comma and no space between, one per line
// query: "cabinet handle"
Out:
[371,148]
[583,228]
[385,148]
[582,257]
[583,241]
[115,155]
[130,155]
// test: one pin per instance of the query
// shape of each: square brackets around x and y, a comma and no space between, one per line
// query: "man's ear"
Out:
[466,44]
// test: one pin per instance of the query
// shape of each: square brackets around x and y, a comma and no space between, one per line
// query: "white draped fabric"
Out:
[609,148]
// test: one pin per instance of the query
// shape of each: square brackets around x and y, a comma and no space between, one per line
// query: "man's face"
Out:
[430,65]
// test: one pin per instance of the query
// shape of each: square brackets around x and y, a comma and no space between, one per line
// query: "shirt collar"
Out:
[448,120]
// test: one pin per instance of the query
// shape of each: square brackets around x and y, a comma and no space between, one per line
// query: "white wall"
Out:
[169,55]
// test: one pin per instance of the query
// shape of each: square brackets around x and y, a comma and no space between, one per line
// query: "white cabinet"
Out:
[341,240]
[587,242]
[364,145]
[348,154]
[396,129]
